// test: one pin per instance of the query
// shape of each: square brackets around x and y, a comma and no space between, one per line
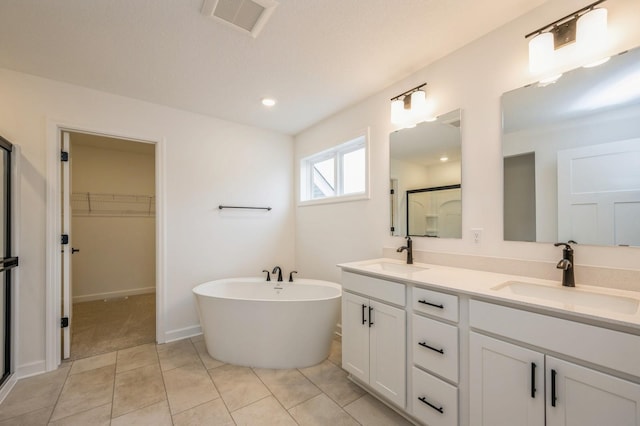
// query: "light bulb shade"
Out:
[418,106]
[541,53]
[398,115]
[591,33]
[592,28]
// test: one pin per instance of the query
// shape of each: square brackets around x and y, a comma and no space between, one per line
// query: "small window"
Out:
[337,174]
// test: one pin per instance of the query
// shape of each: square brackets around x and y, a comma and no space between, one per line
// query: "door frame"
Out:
[55,128]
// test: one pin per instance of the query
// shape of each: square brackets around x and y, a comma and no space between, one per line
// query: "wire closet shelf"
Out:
[112,205]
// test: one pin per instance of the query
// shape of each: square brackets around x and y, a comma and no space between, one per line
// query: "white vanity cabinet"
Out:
[511,384]
[374,334]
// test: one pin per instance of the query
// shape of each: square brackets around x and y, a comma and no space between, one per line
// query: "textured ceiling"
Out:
[315,57]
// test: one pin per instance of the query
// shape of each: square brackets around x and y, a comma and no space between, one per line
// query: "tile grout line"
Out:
[60,393]
[274,396]
[164,385]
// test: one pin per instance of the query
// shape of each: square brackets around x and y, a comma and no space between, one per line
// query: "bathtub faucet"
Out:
[291,275]
[277,268]
[268,276]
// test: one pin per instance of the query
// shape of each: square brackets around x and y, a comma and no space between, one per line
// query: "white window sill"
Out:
[334,200]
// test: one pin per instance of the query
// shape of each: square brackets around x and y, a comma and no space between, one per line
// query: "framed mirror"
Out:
[425,178]
[572,157]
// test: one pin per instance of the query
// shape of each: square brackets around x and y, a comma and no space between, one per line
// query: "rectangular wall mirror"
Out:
[572,157]
[425,179]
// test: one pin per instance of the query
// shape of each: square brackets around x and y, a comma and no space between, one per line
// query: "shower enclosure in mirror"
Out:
[425,172]
[572,157]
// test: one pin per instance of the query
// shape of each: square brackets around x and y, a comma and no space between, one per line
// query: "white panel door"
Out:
[584,397]
[506,384]
[355,335]
[388,351]
[599,193]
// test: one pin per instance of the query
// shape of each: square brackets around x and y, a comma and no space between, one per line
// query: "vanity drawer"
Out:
[434,402]
[387,291]
[434,303]
[601,346]
[435,347]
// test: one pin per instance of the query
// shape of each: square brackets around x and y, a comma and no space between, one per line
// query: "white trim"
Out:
[31,369]
[113,294]
[7,386]
[54,128]
[182,333]
[333,200]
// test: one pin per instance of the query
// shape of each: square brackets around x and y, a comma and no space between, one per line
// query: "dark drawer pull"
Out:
[370,316]
[424,302]
[424,344]
[363,308]
[533,380]
[554,397]
[438,409]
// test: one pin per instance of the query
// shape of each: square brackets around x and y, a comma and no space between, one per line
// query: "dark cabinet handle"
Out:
[554,397]
[533,380]
[74,250]
[424,400]
[424,302]
[370,310]
[424,344]
[363,308]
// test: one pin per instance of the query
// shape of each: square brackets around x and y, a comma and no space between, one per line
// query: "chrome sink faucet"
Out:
[409,249]
[566,264]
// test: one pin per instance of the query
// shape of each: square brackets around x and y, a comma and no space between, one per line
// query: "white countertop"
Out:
[483,284]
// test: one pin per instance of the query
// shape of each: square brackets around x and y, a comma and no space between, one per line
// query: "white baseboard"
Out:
[182,333]
[31,369]
[7,386]
[113,294]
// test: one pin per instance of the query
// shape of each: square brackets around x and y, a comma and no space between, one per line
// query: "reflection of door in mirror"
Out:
[599,194]
[426,156]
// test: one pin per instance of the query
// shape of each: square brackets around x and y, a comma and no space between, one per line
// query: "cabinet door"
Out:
[355,335]
[579,396]
[507,384]
[388,352]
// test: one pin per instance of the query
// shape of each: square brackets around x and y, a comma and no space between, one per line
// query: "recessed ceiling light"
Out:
[268,102]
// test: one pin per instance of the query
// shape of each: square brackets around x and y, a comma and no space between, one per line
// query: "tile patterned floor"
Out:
[180,384]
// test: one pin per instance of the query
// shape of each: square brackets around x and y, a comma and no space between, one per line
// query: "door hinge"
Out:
[393,191]
[393,228]
[64,239]
[64,322]
[64,156]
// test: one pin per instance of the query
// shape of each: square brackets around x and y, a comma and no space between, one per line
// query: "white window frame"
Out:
[360,140]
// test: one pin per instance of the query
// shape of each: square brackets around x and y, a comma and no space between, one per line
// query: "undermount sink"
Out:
[398,268]
[571,296]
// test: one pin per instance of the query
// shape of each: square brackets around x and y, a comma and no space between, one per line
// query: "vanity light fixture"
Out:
[583,33]
[444,158]
[411,107]
[268,102]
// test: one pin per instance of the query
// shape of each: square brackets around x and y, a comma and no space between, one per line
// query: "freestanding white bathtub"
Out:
[268,324]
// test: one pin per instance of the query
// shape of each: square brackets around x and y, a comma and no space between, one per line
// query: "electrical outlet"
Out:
[476,233]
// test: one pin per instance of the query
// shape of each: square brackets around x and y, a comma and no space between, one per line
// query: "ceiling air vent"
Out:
[248,16]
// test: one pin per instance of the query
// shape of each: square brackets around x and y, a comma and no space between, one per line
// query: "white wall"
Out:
[472,79]
[207,162]
[117,250]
